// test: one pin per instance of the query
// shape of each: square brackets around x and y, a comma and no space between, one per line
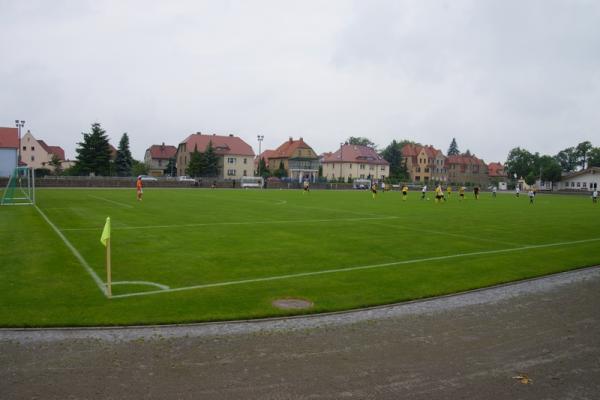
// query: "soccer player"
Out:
[595,196]
[374,189]
[531,196]
[494,192]
[139,188]
[306,187]
[476,192]
[461,193]
[517,191]
[382,186]
[439,193]
[404,192]
[449,190]
[423,192]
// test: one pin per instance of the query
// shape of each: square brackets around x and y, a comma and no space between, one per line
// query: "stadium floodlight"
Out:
[20,189]
[260,139]
[19,125]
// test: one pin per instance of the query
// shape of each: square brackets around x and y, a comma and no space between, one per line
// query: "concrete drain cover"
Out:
[292,304]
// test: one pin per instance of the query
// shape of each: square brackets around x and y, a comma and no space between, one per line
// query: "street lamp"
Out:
[19,125]
[260,139]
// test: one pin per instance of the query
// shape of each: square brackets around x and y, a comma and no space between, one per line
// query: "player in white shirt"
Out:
[595,196]
[423,192]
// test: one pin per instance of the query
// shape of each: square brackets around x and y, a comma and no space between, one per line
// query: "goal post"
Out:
[20,189]
[252,182]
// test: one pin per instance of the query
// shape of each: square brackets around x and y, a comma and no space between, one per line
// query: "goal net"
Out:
[252,182]
[20,189]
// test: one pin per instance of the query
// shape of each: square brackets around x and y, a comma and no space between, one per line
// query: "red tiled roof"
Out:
[464,159]
[496,169]
[224,145]
[267,154]
[113,151]
[287,148]
[9,138]
[413,150]
[158,151]
[57,151]
[355,154]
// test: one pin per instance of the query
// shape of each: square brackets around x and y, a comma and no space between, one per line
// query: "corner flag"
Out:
[106,232]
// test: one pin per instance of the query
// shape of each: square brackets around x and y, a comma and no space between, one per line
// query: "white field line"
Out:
[111,201]
[77,255]
[298,221]
[356,268]
[145,283]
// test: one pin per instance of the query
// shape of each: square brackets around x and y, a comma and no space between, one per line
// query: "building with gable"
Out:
[466,169]
[37,154]
[9,144]
[235,156]
[424,163]
[298,158]
[352,162]
[157,158]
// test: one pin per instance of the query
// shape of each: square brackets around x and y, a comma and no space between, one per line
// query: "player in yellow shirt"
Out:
[461,193]
[449,191]
[374,189]
[404,192]
[439,194]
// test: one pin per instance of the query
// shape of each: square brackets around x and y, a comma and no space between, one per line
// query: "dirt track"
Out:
[465,346]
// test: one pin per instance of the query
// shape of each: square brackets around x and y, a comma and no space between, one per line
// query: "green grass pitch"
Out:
[188,255]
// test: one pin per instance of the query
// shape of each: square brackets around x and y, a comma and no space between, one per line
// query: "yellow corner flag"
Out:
[106,232]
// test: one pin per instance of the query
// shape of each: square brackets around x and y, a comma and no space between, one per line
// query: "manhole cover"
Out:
[292,304]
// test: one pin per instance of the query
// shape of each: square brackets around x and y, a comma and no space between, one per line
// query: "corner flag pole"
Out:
[105,240]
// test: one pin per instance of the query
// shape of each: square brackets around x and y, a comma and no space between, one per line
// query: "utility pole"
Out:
[19,125]
[260,139]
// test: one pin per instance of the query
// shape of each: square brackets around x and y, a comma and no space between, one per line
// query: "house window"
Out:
[245,162]
[159,163]
[418,169]
[32,158]
[572,184]
[584,184]
[245,174]
[24,148]
[362,166]
[383,168]
[231,160]
[32,148]
[417,178]
[362,176]
[231,172]
[578,184]
[371,167]
[426,169]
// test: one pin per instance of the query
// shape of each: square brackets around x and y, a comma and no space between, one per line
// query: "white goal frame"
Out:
[252,182]
[20,195]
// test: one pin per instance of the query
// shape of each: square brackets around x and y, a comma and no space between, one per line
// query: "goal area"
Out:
[251,182]
[20,189]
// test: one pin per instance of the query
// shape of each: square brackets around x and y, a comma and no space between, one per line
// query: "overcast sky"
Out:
[493,74]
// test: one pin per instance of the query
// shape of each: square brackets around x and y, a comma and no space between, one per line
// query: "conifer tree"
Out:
[453,149]
[93,153]
[123,161]
[210,161]
[196,166]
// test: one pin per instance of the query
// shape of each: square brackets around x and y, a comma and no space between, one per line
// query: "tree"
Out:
[582,151]
[93,153]
[594,157]
[550,169]
[123,161]
[170,169]
[281,172]
[197,164]
[467,153]
[138,168]
[567,159]
[56,164]
[361,141]
[393,154]
[263,169]
[520,162]
[210,161]
[453,149]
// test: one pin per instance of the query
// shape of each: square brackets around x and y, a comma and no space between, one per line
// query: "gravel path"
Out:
[471,345]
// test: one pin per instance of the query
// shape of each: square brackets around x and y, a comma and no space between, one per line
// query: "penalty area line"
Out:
[76,253]
[111,201]
[356,268]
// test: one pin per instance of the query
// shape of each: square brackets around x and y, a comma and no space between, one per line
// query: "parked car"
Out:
[184,178]
[148,178]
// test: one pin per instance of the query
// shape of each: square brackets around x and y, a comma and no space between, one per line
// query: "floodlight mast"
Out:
[260,139]
[19,124]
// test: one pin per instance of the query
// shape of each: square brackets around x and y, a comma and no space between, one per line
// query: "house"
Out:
[235,156]
[466,169]
[266,155]
[37,154]
[9,144]
[497,175]
[424,163]
[157,159]
[584,180]
[298,158]
[353,161]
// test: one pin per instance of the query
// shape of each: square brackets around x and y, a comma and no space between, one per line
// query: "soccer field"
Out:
[186,255]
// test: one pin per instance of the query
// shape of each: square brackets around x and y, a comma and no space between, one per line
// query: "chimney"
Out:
[291,140]
[198,133]
[162,146]
[231,135]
